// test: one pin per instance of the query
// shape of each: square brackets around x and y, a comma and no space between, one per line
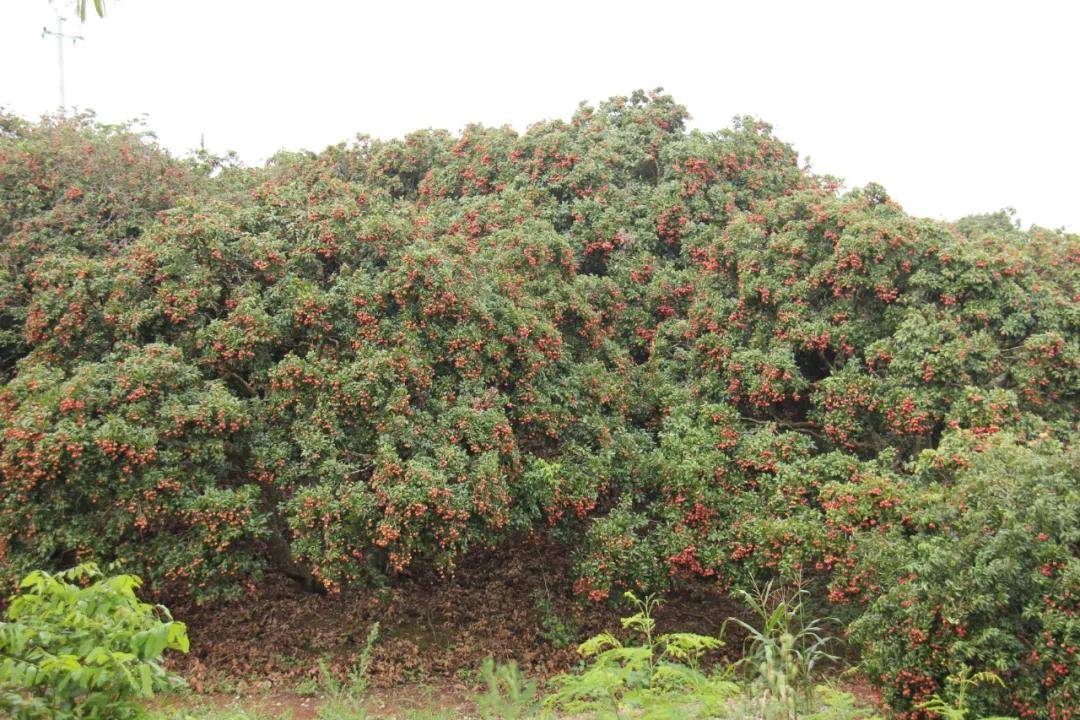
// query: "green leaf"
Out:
[146,680]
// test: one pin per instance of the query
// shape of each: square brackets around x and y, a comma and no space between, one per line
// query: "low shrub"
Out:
[77,644]
[659,676]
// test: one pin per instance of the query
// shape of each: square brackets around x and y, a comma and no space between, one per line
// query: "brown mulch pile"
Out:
[432,629]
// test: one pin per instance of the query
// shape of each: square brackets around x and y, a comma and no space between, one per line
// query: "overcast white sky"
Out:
[956,107]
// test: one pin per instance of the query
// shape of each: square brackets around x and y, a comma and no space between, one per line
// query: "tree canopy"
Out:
[680,352]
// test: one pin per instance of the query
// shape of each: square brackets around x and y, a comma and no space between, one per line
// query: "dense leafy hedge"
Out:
[988,578]
[681,351]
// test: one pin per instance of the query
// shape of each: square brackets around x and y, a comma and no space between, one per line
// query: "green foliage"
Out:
[560,631]
[959,686]
[80,8]
[344,698]
[659,677]
[77,644]
[833,704]
[72,190]
[782,652]
[509,695]
[983,581]
[143,446]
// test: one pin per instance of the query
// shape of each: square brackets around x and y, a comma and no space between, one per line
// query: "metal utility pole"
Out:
[60,37]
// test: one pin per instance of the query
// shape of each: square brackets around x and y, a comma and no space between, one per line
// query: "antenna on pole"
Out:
[60,36]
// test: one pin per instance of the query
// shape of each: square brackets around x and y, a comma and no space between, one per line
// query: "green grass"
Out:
[204,711]
[827,703]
